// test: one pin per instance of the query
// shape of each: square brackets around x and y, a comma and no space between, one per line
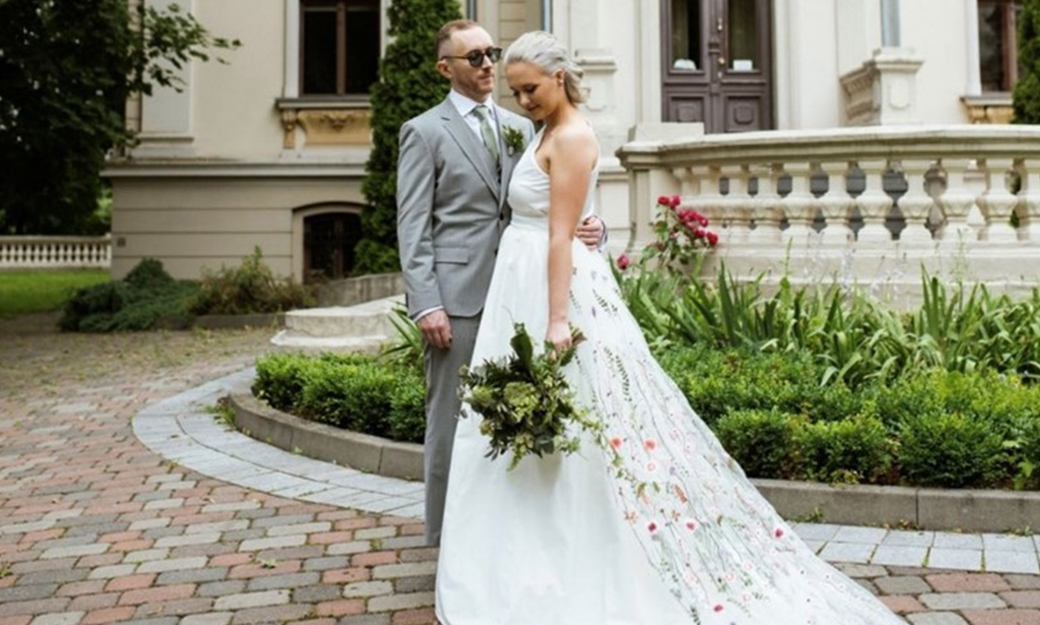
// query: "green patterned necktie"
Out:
[486,132]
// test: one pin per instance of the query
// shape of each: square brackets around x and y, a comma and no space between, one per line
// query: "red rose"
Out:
[675,201]
[623,262]
[698,233]
[702,220]
[664,200]
[713,239]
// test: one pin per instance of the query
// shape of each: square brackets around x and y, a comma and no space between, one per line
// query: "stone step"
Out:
[363,327]
[368,319]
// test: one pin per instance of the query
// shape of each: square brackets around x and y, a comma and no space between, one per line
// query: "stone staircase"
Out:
[363,327]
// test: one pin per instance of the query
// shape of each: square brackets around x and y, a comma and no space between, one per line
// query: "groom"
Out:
[455,163]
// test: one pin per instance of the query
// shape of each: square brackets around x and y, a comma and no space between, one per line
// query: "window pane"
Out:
[362,46]
[991,46]
[319,50]
[686,34]
[743,35]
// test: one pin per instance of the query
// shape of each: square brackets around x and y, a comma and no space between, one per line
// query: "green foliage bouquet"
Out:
[526,402]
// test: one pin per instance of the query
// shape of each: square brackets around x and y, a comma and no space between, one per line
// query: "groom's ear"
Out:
[443,69]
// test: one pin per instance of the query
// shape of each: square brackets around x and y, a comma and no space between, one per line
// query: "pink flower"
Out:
[779,532]
[650,444]
[713,239]
[691,524]
[615,442]
[718,607]
[652,526]
[623,262]
[651,467]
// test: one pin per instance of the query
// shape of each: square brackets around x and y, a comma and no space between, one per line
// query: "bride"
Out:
[565,540]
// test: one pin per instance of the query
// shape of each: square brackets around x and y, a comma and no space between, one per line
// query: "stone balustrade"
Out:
[871,206]
[55,252]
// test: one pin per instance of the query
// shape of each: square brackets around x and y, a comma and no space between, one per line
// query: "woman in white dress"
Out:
[572,540]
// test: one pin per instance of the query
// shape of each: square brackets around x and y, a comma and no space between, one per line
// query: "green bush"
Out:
[762,441]
[247,289]
[950,450]
[407,418]
[280,379]
[408,85]
[1026,96]
[853,450]
[147,298]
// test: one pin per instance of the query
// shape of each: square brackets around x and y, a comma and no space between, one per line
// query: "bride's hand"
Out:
[559,334]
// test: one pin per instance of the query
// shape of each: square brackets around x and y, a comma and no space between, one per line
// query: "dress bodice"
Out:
[529,190]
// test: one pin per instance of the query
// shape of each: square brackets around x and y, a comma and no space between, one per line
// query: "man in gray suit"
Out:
[452,175]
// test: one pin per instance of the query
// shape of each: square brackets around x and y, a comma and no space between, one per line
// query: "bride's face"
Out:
[539,94]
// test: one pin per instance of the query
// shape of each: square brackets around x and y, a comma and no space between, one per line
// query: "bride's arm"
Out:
[571,159]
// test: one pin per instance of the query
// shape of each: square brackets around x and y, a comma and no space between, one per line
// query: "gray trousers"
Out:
[442,408]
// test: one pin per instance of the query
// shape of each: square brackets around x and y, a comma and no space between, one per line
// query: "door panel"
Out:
[717,57]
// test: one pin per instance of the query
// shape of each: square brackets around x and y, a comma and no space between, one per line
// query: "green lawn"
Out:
[34,290]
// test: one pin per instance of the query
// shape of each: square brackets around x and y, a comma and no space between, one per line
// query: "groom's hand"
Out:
[436,329]
[590,232]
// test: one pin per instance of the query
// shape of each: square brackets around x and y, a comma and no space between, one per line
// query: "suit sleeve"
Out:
[416,178]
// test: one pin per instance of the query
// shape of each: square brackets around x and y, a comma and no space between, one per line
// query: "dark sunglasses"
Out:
[476,57]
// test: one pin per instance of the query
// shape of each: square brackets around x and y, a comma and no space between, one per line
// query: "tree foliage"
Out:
[66,70]
[1027,91]
[409,84]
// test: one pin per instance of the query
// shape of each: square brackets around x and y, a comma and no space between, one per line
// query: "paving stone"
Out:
[1002,617]
[326,563]
[366,619]
[902,585]
[27,592]
[74,551]
[192,576]
[318,592]
[212,618]
[299,528]
[1023,582]
[53,577]
[274,521]
[936,618]
[218,527]
[61,618]
[899,555]
[1008,542]
[292,580]
[114,570]
[175,564]
[252,600]
[146,555]
[427,583]
[967,582]
[33,606]
[963,559]
[868,535]
[271,614]
[400,602]
[858,553]
[221,589]
[340,607]
[199,538]
[902,604]
[950,540]
[394,571]
[1012,561]
[156,594]
[1022,598]
[962,601]
[358,546]
[367,589]
[179,607]
[259,544]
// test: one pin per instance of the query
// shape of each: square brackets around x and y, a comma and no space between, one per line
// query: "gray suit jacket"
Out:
[451,208]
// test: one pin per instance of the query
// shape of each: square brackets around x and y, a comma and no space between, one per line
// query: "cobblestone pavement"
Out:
[95,528]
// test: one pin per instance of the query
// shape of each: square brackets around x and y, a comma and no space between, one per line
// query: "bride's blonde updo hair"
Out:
[544,50]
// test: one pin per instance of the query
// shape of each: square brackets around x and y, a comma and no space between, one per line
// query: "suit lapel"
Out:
[474,150]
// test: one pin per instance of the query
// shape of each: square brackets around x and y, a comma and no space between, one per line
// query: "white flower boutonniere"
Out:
[515,141]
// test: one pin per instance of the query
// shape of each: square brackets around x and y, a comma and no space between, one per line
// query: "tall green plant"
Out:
[1027,91]
[408,85]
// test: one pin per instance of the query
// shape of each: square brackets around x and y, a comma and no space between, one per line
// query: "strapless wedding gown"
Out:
[564,540]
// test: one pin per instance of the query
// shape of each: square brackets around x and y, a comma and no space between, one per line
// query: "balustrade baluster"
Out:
[874,204]
[916,204]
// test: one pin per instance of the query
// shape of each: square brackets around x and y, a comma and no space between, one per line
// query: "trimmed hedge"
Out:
[353,391]
[768,410]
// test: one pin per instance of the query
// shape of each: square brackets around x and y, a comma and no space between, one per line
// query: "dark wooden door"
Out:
[717,63]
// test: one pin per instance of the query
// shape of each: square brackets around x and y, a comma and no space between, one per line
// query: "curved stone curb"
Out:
[363,452]
[965,510]
[239,322]
[183,429]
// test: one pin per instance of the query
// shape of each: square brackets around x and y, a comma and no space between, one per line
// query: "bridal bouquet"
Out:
[525,400]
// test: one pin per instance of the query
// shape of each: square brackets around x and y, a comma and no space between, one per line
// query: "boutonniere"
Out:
[515,141]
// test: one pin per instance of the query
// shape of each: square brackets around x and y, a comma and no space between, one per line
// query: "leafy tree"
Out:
[1027,91]
[66,70]
[409,84]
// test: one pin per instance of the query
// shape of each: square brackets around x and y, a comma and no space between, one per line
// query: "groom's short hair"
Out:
[449,29]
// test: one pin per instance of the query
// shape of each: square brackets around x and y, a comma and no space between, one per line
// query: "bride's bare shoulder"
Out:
[577,138]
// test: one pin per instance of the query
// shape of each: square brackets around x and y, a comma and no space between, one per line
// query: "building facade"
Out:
[268,150]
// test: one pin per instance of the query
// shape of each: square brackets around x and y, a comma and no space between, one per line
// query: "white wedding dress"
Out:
[570,541]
